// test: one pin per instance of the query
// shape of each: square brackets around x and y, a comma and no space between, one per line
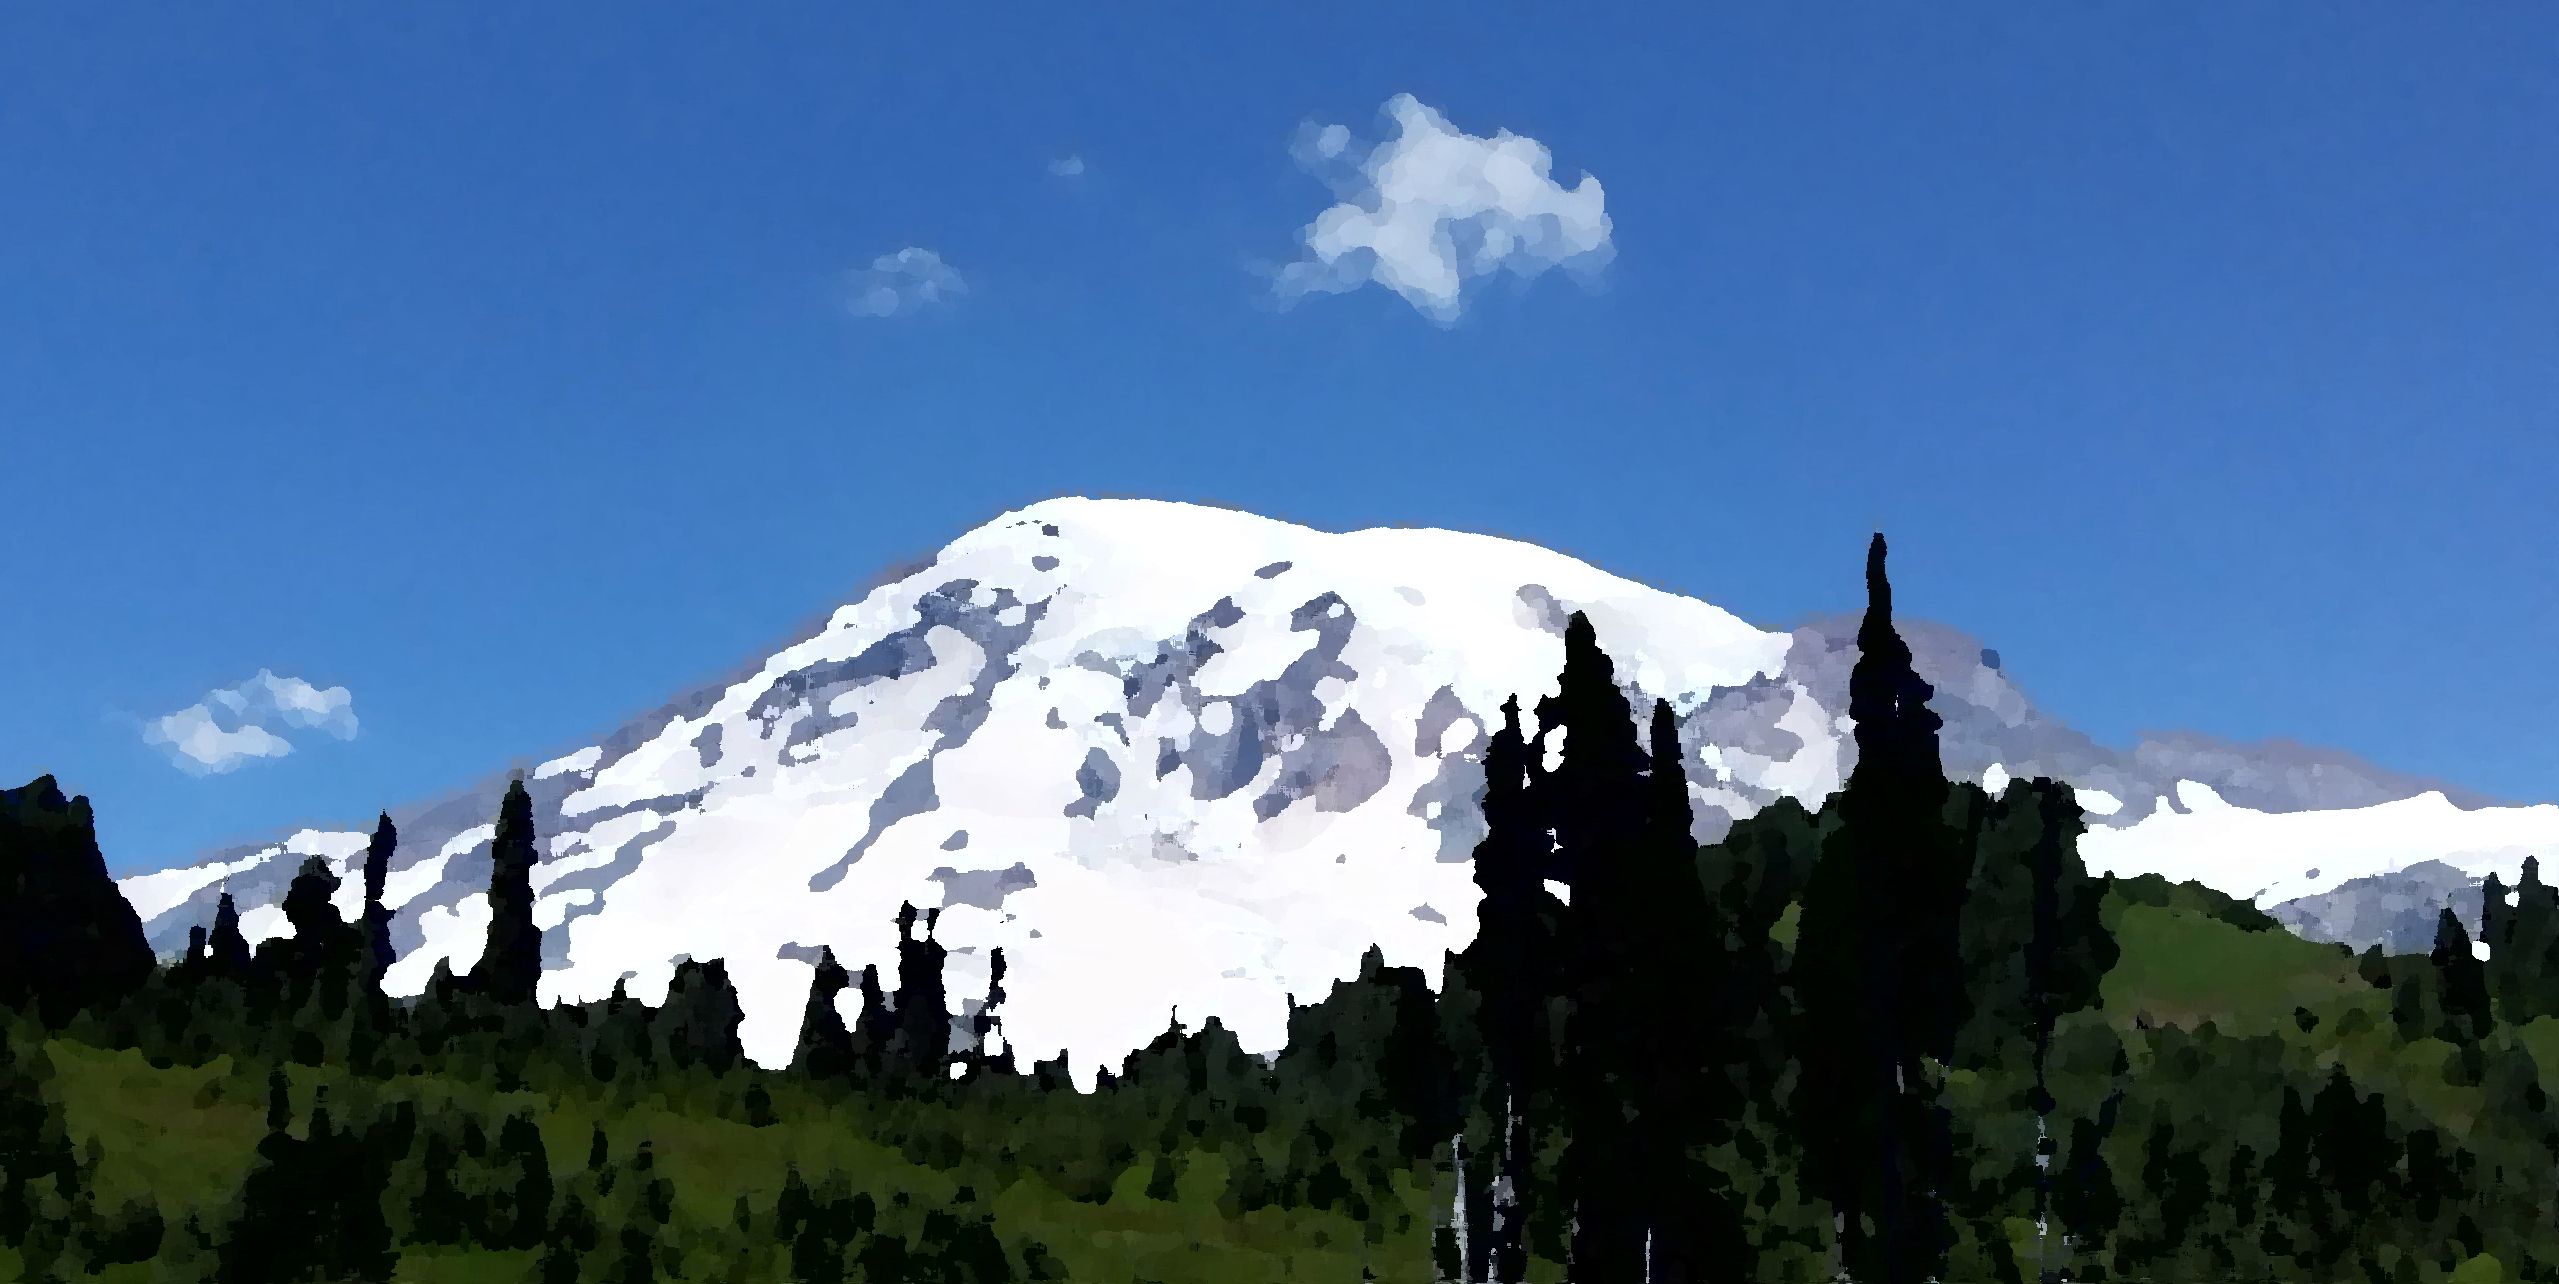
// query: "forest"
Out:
[1905,1037]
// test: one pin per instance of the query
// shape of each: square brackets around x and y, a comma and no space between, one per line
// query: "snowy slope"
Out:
[1173,757]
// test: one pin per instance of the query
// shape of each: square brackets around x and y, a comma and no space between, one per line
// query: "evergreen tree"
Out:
[2085,1197]
[826,1047]
[1878,972]
[510,967]
[1634,1050]
[324,1179]
[377,871]
[991,1053]
[873,1029]
[698,1024]
[229,950]
[1687,1065]
[527,1210]
[2463,981]
[1514,968]
[2035,946]
[321,943]
[920,1039]
[2526,964]
[68,939]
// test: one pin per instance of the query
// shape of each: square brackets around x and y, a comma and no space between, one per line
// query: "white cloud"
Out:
[1067,167]
[235,724]
[1425,210]
[910,279]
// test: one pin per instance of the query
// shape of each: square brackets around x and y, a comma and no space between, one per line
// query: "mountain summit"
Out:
[1173,758]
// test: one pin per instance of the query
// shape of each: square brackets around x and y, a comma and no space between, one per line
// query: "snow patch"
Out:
[581,762]
[2272,856]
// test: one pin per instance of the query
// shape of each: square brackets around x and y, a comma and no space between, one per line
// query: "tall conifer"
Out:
[1878,972]
[227,950]
[921,1042]
[510,967]
[826,1046]
[2463,979]
[377,871]
[1513,969]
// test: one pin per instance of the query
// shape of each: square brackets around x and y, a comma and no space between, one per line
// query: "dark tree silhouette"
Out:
[1878,972]
[1598,806]
[920,1044]
[377,870]
[698,1023]
[510,967]
[68,939]
[228,950]
[1514,968]
[992,1054]
[826,1046]
[874,1029]
[2463,981]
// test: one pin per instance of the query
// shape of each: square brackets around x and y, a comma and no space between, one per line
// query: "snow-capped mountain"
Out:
[1175,757]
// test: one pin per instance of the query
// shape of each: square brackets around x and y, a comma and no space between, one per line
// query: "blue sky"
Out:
[503,366]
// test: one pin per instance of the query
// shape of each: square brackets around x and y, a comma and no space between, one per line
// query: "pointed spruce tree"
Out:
[1601,811]
[825,1053]
[510,967]
[2463,981]
[920,1042]
[227,950]
[1686,1062]
[1514,970]
[1878,972]
[377,871]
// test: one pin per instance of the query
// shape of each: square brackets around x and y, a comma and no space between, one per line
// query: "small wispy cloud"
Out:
[237,724]
[1423,211]
[912,279]
[1067,167]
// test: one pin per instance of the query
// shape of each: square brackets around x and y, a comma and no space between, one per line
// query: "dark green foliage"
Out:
[2462,981]
[525,1215]
[2153,889]
[1371,1050]
[328,1178]
[68,940]
[2523,965]
[39,1174]
[698,1024]
[510,966]
[2035,945]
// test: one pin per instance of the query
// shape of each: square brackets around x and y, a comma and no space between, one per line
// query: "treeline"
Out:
[1871,1042]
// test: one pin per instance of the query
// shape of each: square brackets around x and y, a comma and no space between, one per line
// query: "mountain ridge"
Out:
[1242,690]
